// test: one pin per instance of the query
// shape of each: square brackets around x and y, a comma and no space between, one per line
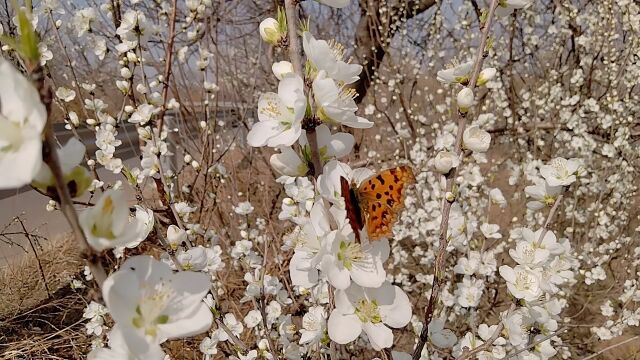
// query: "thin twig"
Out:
[496,334]
[446,205]
[221,325]
[293,42]
[290,8]
[612,347]
[168,58]
[28,236]
[540,341]
[309,124]
[262,302]
[552,212]
[161,184]
[263,313]
[466,353]
[234,339]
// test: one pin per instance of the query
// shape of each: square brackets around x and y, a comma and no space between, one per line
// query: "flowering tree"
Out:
[288,201]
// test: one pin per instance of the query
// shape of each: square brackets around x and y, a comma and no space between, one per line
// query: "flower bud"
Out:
[282,68]
[145,133]
[445,161]
[202,64]
[451,197]
[123,85]
[175,236]
[188,158]
[141,89]
[486,75]
[465,100]
[132,57]
[125,73]
[51,206]
[476,139]
[73,118]
[270,31]
[211,87]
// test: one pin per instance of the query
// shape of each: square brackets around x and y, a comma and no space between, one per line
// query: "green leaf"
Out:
[28,42]
[130,178]
[282,21]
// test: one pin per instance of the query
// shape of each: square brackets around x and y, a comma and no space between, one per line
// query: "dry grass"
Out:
[32,324]
[21,284]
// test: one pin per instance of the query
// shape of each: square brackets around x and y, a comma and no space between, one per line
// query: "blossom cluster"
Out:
[329,261]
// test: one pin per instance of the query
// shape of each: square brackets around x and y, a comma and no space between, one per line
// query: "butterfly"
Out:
[377,202]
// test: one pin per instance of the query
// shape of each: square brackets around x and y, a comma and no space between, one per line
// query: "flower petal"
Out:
[342,328]
[380,336]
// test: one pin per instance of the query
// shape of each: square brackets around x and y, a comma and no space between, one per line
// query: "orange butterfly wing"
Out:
[381,199]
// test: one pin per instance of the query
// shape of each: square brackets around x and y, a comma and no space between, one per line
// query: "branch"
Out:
[496,334]
[308,124]
[555,333]
[161,185]
[50,157]
[293,43]
[371,44]
[446,204]
[612,347]
[168,58]
[35,253]
[552,212]
[466,353]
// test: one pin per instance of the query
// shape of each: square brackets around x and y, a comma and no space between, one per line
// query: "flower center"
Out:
[462,79]
[271,109]
[349,253]
[291,329]
[347,93]
[524,281]
[103,226]
[560,169]
[529,253]
[549,200]
[149,312]
[337,50]
[368,311]
[311,323]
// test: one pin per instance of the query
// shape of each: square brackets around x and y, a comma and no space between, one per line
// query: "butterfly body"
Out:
[376,203]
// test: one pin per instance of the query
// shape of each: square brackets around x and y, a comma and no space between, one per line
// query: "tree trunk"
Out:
[372,41]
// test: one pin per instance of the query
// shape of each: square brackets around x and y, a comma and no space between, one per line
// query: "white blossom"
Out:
[22,119]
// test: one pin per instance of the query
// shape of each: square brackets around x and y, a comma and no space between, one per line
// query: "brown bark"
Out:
[371,40]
